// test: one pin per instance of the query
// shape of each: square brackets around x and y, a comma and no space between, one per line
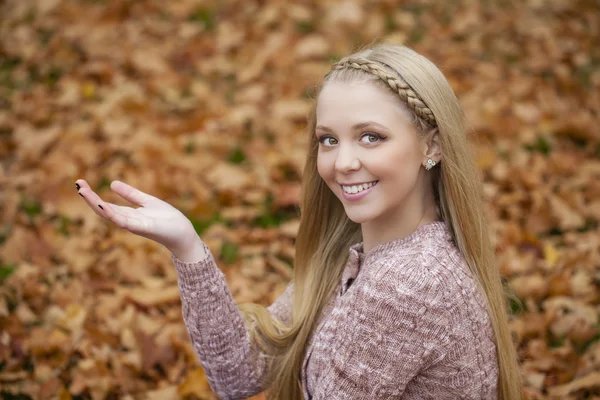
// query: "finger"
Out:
[93,200]
[81,183]
[123,217]
[130,193]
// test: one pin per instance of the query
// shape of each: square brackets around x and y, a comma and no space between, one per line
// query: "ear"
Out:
[430,145]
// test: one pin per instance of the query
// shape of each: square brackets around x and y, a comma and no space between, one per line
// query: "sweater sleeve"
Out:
[234,367]
[282,306]
[395,329]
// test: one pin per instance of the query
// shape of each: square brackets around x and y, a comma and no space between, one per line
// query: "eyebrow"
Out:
[360,125]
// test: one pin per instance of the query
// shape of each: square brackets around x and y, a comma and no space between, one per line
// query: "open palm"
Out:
[155,219]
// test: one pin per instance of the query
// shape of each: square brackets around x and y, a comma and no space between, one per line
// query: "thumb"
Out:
[130,193]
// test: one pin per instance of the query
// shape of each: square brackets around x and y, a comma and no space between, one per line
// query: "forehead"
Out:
[350,102]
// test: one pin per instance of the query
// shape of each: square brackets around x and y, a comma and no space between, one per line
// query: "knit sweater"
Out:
[407,322]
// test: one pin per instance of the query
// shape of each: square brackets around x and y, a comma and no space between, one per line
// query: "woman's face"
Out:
[366,136]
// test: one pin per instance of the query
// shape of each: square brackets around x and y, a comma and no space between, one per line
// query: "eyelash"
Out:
[377,135]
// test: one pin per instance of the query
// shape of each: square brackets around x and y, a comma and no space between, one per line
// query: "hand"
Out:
[155,219]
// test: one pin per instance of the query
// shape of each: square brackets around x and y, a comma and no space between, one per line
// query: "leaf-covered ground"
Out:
[203,104]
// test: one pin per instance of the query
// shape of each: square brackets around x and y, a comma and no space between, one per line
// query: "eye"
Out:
[323,138]
[377,137]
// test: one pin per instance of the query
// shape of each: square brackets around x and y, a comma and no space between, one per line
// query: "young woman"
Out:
[395,293]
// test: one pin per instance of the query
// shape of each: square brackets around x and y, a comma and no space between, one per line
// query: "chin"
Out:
[358,218]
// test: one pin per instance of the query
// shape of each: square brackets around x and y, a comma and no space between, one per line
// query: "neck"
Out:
[417,210]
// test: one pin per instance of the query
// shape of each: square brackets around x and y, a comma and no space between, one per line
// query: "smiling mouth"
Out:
[354,189]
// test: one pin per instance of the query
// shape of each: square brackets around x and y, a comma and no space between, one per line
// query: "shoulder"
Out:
[425,272]
[435,250]
[434,279]
[410,284]
[443,280]
[435,258]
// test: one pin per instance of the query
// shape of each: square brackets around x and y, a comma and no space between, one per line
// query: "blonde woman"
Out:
[395,293]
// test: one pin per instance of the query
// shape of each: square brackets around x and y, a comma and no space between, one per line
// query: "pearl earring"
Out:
[430,164]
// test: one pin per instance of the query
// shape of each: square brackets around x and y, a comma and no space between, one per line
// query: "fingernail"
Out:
[100,206]
[77,186]
[81,195]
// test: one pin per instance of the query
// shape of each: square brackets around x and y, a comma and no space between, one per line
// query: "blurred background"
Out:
[204,104]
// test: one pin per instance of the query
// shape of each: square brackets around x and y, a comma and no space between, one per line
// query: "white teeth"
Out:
[357,188]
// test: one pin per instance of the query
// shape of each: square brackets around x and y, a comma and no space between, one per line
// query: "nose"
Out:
[346,160]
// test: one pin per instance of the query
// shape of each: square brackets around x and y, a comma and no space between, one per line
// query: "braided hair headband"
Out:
[397,84]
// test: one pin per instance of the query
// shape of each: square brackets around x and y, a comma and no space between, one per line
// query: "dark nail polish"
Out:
[81,195]
[77,186]
[100,206]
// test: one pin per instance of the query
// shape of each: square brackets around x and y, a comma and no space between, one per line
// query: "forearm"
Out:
[216,327]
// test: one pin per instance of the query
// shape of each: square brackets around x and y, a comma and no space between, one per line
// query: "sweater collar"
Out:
[357,256]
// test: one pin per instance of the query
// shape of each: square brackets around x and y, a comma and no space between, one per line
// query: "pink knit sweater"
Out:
[412,325]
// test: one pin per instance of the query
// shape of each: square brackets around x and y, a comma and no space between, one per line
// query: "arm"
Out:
[216,326]
[393,331]
[282,306]
[217,329]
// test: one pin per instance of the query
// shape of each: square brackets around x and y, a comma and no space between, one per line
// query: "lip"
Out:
[357,196]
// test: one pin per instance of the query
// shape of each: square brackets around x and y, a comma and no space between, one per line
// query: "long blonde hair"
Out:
[326,233]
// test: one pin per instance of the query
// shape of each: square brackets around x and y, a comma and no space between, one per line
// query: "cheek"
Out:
[322,167]
[398,165]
